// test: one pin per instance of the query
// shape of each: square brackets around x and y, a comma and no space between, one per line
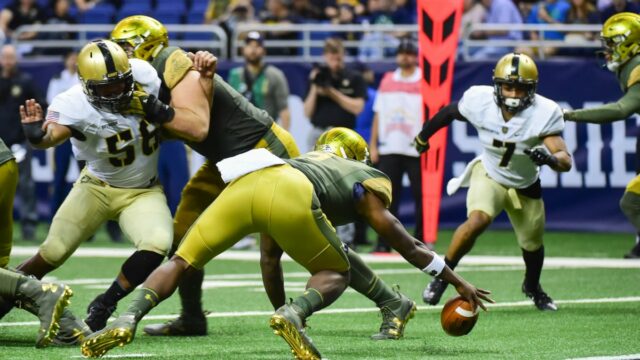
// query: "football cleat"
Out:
[540,298]
[287,324]
[119,333]
[98,313]
[184,325]
[395,318]
[72,330]
[434,290]
[47,301]
[634,253]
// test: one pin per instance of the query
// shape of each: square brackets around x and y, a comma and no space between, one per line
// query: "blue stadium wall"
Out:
[584,199]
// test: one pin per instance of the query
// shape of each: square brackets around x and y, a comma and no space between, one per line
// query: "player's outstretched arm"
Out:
[559,158]
[389,227]
[271,267]
[628,105]
[441,119]
[41,135]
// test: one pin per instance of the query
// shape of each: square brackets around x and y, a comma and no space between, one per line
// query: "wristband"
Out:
[33,131]
[435,267]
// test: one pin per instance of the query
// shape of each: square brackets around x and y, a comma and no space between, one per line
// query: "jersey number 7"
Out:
[511,147]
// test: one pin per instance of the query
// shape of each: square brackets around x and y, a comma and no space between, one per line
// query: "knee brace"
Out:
[140,265]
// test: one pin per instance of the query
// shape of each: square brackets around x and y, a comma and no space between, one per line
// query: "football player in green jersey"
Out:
[295,202]
[621,39]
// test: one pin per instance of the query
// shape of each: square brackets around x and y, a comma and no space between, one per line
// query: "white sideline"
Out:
[467,260]
[365,310]
[610,357]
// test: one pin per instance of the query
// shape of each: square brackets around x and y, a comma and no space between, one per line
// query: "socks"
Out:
[364,281]
[308,303]
[533,261]
[9,282]
[190,290]
[450,264]
[144,300]
[115,293]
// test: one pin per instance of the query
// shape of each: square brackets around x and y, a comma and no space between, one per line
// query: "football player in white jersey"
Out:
[514,125]
[114,129]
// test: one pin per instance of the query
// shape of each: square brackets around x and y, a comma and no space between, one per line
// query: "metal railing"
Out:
[309,40]
[368,42]
[540,45]
[82,33]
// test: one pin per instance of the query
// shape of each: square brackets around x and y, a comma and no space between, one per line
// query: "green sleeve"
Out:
[619,110]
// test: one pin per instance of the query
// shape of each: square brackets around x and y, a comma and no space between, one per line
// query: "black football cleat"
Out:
[184,325]
[540,298]
[634,253]
[434,290]
[98,313]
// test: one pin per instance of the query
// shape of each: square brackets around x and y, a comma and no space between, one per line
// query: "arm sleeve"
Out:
[619,110]
[441,119]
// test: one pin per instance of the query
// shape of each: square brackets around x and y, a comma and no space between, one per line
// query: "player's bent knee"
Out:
[479,220]
[530,244]
[52,254]
[630,203]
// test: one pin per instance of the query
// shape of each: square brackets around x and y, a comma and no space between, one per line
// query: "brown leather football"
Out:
[458,318]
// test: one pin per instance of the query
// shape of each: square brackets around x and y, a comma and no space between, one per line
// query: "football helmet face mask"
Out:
[344,143]
[141,36]
[106,77]
[520,72]
[621,39]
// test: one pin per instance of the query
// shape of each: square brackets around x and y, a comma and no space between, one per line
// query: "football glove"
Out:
[420,145]
[540,157]
[33,131]
[156,111]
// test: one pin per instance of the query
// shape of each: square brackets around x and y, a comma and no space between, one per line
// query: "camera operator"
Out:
[336,94]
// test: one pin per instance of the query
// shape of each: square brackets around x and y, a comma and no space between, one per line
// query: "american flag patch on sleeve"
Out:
[52,116]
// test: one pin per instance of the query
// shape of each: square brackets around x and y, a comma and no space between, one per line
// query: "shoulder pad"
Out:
[634,77]
[176,68]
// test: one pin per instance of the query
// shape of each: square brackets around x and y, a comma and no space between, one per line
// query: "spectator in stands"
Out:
[62,154]
[84,5]
[581,12]
[404,12]
[332,7]
[618,6]
[60,15]
[398,116]
[473,13]
[378,45]
[263,84]
[498,12]
[278,12]
[307,10]
[336,95]
[547,12]
[21,12]
[216,10]
[15,88]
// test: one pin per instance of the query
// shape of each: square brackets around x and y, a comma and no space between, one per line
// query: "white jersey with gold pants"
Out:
[119,181]
[503,177]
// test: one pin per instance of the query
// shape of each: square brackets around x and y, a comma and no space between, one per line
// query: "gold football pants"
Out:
[206,184]
[278,201]
[8,184]
[143,215]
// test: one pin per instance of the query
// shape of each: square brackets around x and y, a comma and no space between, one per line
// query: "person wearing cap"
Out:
[263,84]
[397,110]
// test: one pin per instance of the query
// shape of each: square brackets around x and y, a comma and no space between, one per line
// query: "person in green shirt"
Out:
[621,38]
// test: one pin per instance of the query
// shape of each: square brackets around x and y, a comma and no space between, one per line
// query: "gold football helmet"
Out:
[141,36]
[621,38]
[105,74]
[345,143]
[520,71]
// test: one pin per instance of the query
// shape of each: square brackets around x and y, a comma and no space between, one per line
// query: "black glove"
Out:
[33,131]
[540,157]
[156,111]
[420,145]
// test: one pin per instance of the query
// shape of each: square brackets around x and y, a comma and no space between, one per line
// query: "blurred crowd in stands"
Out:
[229,13]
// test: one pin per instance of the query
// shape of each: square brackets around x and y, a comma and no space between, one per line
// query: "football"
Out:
[458,318]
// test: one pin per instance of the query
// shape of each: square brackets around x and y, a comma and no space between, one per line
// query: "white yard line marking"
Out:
[121,356]
[368,309]
[394,259]
[611,357]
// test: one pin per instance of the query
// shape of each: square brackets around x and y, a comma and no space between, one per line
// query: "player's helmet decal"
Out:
[141,36]
[518,70]
[345,143]
[106,77]
[621,39]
